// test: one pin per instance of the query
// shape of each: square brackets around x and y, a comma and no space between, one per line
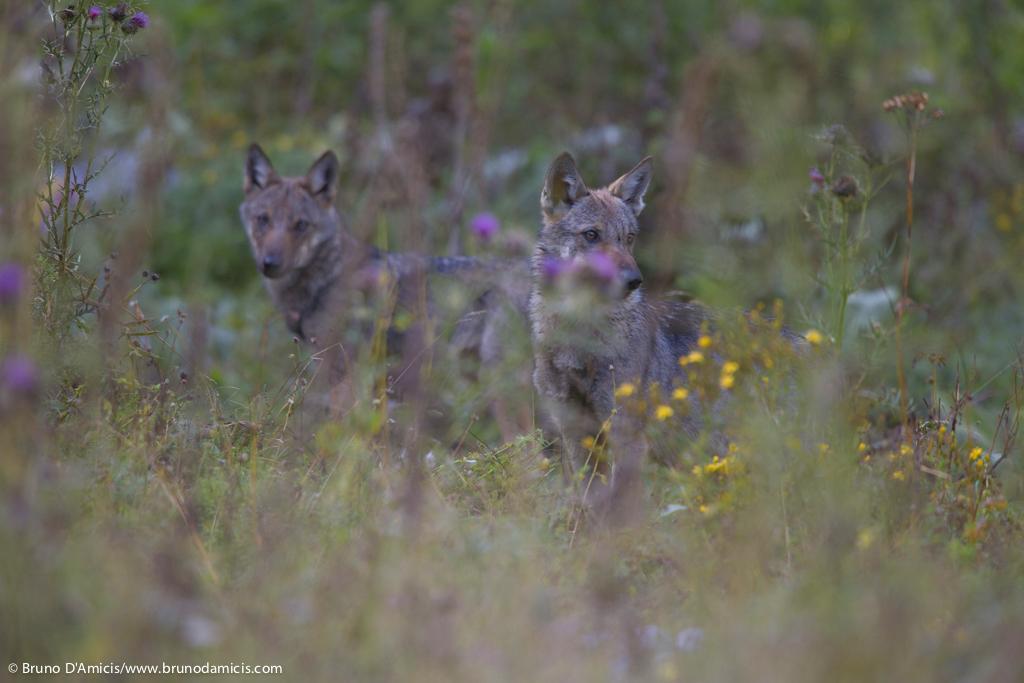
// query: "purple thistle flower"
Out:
[94,12]
[817,179]
[135,22]
[601,265]
[485,225]
[140,20]
[19,374]
[12,281]
[553,268]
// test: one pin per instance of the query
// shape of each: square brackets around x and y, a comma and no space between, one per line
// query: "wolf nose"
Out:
[633,279]
[271,264]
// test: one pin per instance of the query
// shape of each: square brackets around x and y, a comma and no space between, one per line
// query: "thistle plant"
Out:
[86,43]
[840,195]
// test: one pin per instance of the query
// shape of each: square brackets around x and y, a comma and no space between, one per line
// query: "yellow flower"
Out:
[768,362]
[680,394]
[942,429]
[704,341]
[727,380]
[814,337]
[588,442]
[692,357]
[862,447]
[865,538]
[898,475]
[717,465]
[624,390]
[663,412]
[823,448]
[704,509]
[697,471]
[730,366]
[906,450]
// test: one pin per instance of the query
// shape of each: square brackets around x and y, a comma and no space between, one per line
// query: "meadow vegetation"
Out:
[167,493]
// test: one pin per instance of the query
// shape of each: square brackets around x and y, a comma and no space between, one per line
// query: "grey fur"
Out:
[322,272]
[580,359]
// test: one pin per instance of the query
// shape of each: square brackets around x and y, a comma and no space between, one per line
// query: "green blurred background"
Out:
[728,97]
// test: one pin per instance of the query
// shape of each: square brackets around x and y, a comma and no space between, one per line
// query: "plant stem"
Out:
[905,293]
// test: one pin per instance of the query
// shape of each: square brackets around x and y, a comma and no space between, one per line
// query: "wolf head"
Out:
[592,232]
[288,219]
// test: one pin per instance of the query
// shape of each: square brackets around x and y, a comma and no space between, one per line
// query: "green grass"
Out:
[171,493]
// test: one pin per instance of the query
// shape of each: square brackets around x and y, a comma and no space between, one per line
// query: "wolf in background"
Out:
[318,273]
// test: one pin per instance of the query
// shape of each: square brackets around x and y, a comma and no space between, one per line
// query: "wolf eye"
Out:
[591,235]
[630,238]
[262,221]
[300,226]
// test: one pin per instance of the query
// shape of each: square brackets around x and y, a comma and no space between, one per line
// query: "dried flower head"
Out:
[845,187]
[913,101]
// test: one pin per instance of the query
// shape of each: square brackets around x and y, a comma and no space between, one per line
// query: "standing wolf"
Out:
[318,274]
[593,329]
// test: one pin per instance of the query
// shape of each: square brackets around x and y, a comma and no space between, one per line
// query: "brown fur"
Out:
[318,274]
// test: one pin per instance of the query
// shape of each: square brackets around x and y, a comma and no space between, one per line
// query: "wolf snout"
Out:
[271,265]
[632,278]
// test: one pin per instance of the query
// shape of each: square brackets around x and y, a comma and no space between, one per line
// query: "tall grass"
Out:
[155,508]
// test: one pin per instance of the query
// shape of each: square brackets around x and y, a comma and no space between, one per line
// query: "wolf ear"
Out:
[563,187]
[259,172]
[631,187]
[322,177]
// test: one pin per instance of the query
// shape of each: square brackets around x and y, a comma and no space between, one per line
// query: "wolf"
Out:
[319,275]
[593,328]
